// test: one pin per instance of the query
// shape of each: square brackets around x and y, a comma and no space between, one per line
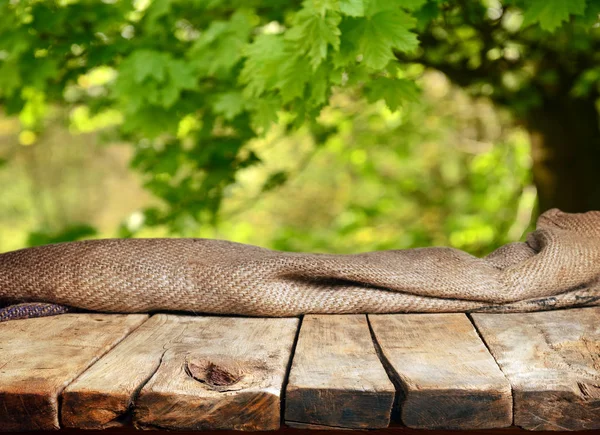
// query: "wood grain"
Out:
[336,379]
[40,357]
[218,373]
[103,396]
[447,379]
[552,360]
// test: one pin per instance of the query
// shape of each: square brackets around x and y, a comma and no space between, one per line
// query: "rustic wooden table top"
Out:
[497,373]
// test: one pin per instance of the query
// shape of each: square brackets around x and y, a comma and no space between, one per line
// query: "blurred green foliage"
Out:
[383,181]
[282,123]
[443,170]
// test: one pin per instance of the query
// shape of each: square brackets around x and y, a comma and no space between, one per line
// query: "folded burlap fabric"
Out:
[558,267]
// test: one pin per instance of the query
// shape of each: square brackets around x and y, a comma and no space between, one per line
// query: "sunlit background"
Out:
[105,105]
[446,170]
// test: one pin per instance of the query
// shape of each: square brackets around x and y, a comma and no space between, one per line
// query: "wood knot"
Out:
[220,377]
[217,376]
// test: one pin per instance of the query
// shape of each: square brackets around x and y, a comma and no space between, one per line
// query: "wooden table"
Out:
[394,373]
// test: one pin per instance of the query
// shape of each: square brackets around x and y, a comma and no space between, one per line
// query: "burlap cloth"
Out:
[558,266]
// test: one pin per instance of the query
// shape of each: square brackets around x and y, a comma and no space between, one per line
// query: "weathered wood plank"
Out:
[446,376]
[40,357]
[103,396]
[172,349]
[336,379]
[552,360]
[217,373]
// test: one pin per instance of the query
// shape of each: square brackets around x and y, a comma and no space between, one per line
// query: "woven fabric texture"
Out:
[557,267]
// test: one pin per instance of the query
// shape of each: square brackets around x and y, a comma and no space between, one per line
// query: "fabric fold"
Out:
[557,267]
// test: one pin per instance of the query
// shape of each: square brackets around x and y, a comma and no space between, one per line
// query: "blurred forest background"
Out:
[326,125]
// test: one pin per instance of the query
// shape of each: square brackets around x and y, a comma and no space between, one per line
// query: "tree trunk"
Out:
[565,140]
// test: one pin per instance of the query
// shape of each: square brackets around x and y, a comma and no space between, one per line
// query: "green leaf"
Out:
[181,74]
[147,63]
[294,73]
[357,74]
[165,96]
[156,10]
[377,36]
[322,6]
[263,58]
[349,45]
[412,5]
[550,14]
[352,8]
[221,46]
[151,122]
[319,86]
[314,32]
[154,77]
[373,7]
[426,14]
[592,15]
[265,113]
[393,91]
[229,104]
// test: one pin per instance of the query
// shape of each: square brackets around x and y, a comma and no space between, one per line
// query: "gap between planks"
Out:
[445,376]
[208,372]
[59,350]
[487,346]
[400,391]
[287,372]
[337,379]
[120,415]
